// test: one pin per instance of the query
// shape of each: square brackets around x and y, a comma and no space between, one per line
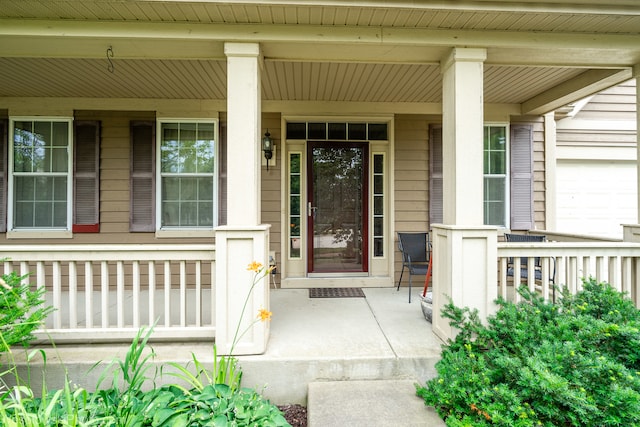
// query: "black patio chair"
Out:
[524,261]
[416,250]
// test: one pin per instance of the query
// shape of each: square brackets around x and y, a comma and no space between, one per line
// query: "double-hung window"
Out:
[40,174]
[507,175]
[495,175]
[187,174]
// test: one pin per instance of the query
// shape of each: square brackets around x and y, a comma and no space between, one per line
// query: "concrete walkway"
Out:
[382,403]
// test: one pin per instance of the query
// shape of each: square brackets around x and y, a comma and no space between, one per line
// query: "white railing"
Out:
[106,293]
[566,264]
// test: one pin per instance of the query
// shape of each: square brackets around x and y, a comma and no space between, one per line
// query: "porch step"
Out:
[379,337]
[386,403]
[368,340]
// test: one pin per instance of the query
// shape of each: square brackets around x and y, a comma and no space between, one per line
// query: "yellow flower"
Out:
[264,314]
[255,266]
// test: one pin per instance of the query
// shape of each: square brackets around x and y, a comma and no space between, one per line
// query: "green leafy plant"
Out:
[226,369]
[574,363]
[21,311]
[124,401]
[127,395]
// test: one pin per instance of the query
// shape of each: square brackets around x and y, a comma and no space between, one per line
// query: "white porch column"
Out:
[236,248]
[465,270]
[243,240]
[243,133]
[462,138]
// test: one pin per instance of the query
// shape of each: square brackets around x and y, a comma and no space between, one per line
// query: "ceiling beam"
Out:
[619,7]
[314,33]
[585,84]
[148,40]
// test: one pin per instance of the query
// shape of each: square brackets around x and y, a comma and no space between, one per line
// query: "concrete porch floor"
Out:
[312,340]
[378,337]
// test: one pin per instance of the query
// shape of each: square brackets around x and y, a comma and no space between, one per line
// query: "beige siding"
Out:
[411,179]
[595,124]
[616,103]
[271,185]
[412,173]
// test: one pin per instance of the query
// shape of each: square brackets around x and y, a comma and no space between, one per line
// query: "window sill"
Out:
[39,234]
[185,233]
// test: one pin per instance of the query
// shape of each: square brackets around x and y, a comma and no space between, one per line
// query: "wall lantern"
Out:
[267,147]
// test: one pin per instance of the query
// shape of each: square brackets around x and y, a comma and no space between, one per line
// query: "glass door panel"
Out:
[337,208]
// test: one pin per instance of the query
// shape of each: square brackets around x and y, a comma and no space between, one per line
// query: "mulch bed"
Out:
[296,415]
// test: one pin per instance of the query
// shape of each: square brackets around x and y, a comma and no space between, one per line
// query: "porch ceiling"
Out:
[282,80]
[539,55]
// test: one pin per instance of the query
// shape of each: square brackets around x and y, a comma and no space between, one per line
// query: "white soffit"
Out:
[281,80]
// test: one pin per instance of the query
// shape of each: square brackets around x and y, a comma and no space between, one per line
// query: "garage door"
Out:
[595,197]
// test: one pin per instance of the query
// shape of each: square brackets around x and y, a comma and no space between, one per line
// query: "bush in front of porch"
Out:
[573,363]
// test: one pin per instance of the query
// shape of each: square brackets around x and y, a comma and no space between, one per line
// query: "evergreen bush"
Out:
[535,363]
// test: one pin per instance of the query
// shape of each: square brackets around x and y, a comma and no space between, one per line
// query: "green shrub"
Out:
[574,363]
[20,311]
[127,400]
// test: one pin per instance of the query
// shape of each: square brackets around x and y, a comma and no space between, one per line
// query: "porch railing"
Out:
[567,263]
[105,293]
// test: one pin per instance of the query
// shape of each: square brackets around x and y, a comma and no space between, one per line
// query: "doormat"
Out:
[336,293]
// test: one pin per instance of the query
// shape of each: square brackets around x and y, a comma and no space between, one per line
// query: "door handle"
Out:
[311,210]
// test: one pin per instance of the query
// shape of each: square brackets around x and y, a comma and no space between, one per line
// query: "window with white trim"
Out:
[506,203]
[40,174]
[187,172]
[495,175]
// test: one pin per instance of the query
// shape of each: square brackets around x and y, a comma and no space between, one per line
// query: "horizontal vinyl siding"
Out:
[411,180]
[604,128]
[616,103]
[411,173]
[271,184]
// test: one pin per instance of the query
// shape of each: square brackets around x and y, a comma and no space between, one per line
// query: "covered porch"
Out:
[375,337]
[246,69]
[105,293]
[378,336]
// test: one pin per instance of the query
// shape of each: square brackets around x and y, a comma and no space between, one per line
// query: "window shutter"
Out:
[222,175]
[142,175]
[4,143]
[86,177]
[435,175]
[521,177]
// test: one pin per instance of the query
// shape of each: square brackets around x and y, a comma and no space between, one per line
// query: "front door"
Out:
[337,207]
